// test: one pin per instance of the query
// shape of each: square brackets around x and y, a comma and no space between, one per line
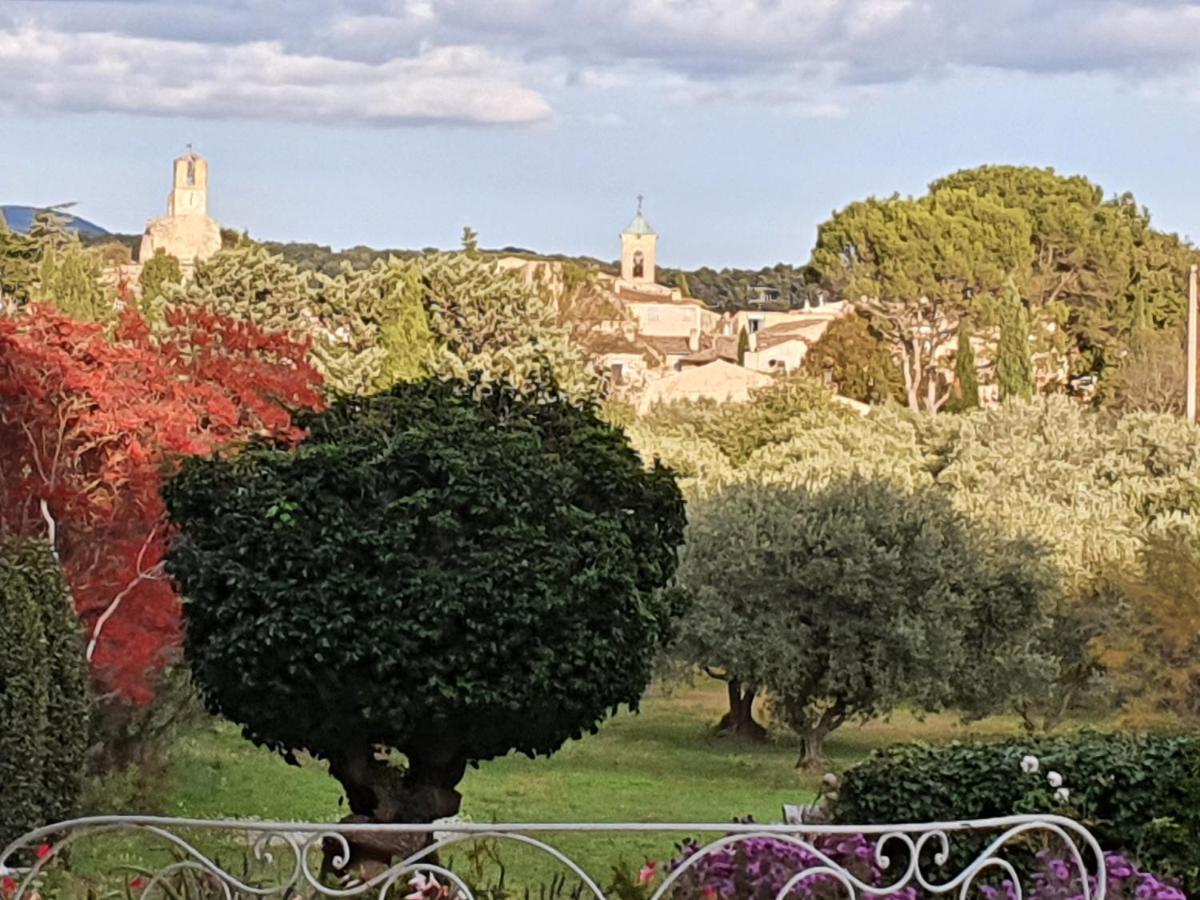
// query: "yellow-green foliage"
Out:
[1090,491]
[488,323]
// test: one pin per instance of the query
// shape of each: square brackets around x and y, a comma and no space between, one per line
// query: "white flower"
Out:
[1054,779]
[1029,764]
[830,779]
[1062,795]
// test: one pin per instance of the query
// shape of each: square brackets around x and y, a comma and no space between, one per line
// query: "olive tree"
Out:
[847,601]
[448,570]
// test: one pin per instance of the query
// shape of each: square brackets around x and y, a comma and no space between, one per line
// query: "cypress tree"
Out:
[743,346]
[1014,366]
[965,373]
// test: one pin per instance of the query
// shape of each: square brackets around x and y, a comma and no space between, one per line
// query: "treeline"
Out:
[842,564]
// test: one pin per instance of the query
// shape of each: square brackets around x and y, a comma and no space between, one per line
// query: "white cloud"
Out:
[487,61]
[42,69]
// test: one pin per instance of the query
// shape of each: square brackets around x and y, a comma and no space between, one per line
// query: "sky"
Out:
[744,123]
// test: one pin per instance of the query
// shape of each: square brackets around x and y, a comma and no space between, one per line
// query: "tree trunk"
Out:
[812,749]
[379,792]
[812,739]
[739,721]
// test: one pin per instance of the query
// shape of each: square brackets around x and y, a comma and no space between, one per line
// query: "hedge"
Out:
[43,691]
[1139,794]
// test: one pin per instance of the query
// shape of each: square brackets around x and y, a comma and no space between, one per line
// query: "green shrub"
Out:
[43,691]
[1138,794]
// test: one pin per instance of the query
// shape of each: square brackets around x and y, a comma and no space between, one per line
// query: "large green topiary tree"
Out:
[445,570]
[43,691]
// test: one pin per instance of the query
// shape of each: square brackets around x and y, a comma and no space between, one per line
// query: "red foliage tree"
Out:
[89,425]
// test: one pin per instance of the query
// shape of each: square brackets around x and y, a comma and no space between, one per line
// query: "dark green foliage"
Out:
[446,570]
[732,289]
[856,362]
[470,240]
[1138,794]
[1098,261]
[966,376]
[1014,366]
[43,691]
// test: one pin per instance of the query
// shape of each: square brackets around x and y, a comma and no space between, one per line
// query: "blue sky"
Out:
[744,122]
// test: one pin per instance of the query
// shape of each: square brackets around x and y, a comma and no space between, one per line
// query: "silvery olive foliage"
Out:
[1089,490]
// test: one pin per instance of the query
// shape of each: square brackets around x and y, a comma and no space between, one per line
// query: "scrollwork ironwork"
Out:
[287,850]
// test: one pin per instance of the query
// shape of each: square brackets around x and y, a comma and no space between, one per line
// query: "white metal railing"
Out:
[298,857]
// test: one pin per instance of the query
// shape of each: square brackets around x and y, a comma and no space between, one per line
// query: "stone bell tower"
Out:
[189,193]
[186,232]
[639,245]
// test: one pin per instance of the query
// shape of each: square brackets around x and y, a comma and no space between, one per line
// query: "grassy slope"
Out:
[663,764]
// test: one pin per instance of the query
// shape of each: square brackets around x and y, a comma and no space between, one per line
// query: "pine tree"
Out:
[965,373]
[1014,366]
[470,240]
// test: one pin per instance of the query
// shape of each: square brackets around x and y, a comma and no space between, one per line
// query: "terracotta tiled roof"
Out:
[726,346]
[601,343]
[635,296]
[607,344]
[807,330]
[719,347]
[766,341]
[674,346]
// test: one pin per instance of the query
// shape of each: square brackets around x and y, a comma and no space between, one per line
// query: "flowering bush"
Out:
[1138,794]
[1058,879]
[758,868]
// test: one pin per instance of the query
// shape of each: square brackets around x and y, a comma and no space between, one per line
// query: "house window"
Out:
[618,373]
[754,323]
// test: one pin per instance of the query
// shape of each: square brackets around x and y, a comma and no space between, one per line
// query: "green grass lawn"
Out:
[662,764]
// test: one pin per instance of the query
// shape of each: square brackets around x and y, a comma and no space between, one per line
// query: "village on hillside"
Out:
[651,342]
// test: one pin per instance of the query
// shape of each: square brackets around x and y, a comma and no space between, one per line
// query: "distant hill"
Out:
[20,218]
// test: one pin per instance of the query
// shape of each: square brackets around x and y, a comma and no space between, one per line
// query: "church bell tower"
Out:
[639,246]
[189,193]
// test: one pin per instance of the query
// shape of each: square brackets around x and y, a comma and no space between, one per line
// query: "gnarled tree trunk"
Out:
[739,721]
[379,792]
[812,739]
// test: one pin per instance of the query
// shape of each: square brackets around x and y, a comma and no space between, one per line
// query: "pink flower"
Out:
[8,887]
[44,850]
[137,884]
[710,892]
[648,871]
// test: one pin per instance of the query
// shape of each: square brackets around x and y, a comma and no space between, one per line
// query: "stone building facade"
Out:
[187,232]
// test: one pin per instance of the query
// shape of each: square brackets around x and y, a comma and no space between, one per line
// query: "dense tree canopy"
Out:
[915,267]
[1098,265]
[452,571]
[848,601]
[856,362]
